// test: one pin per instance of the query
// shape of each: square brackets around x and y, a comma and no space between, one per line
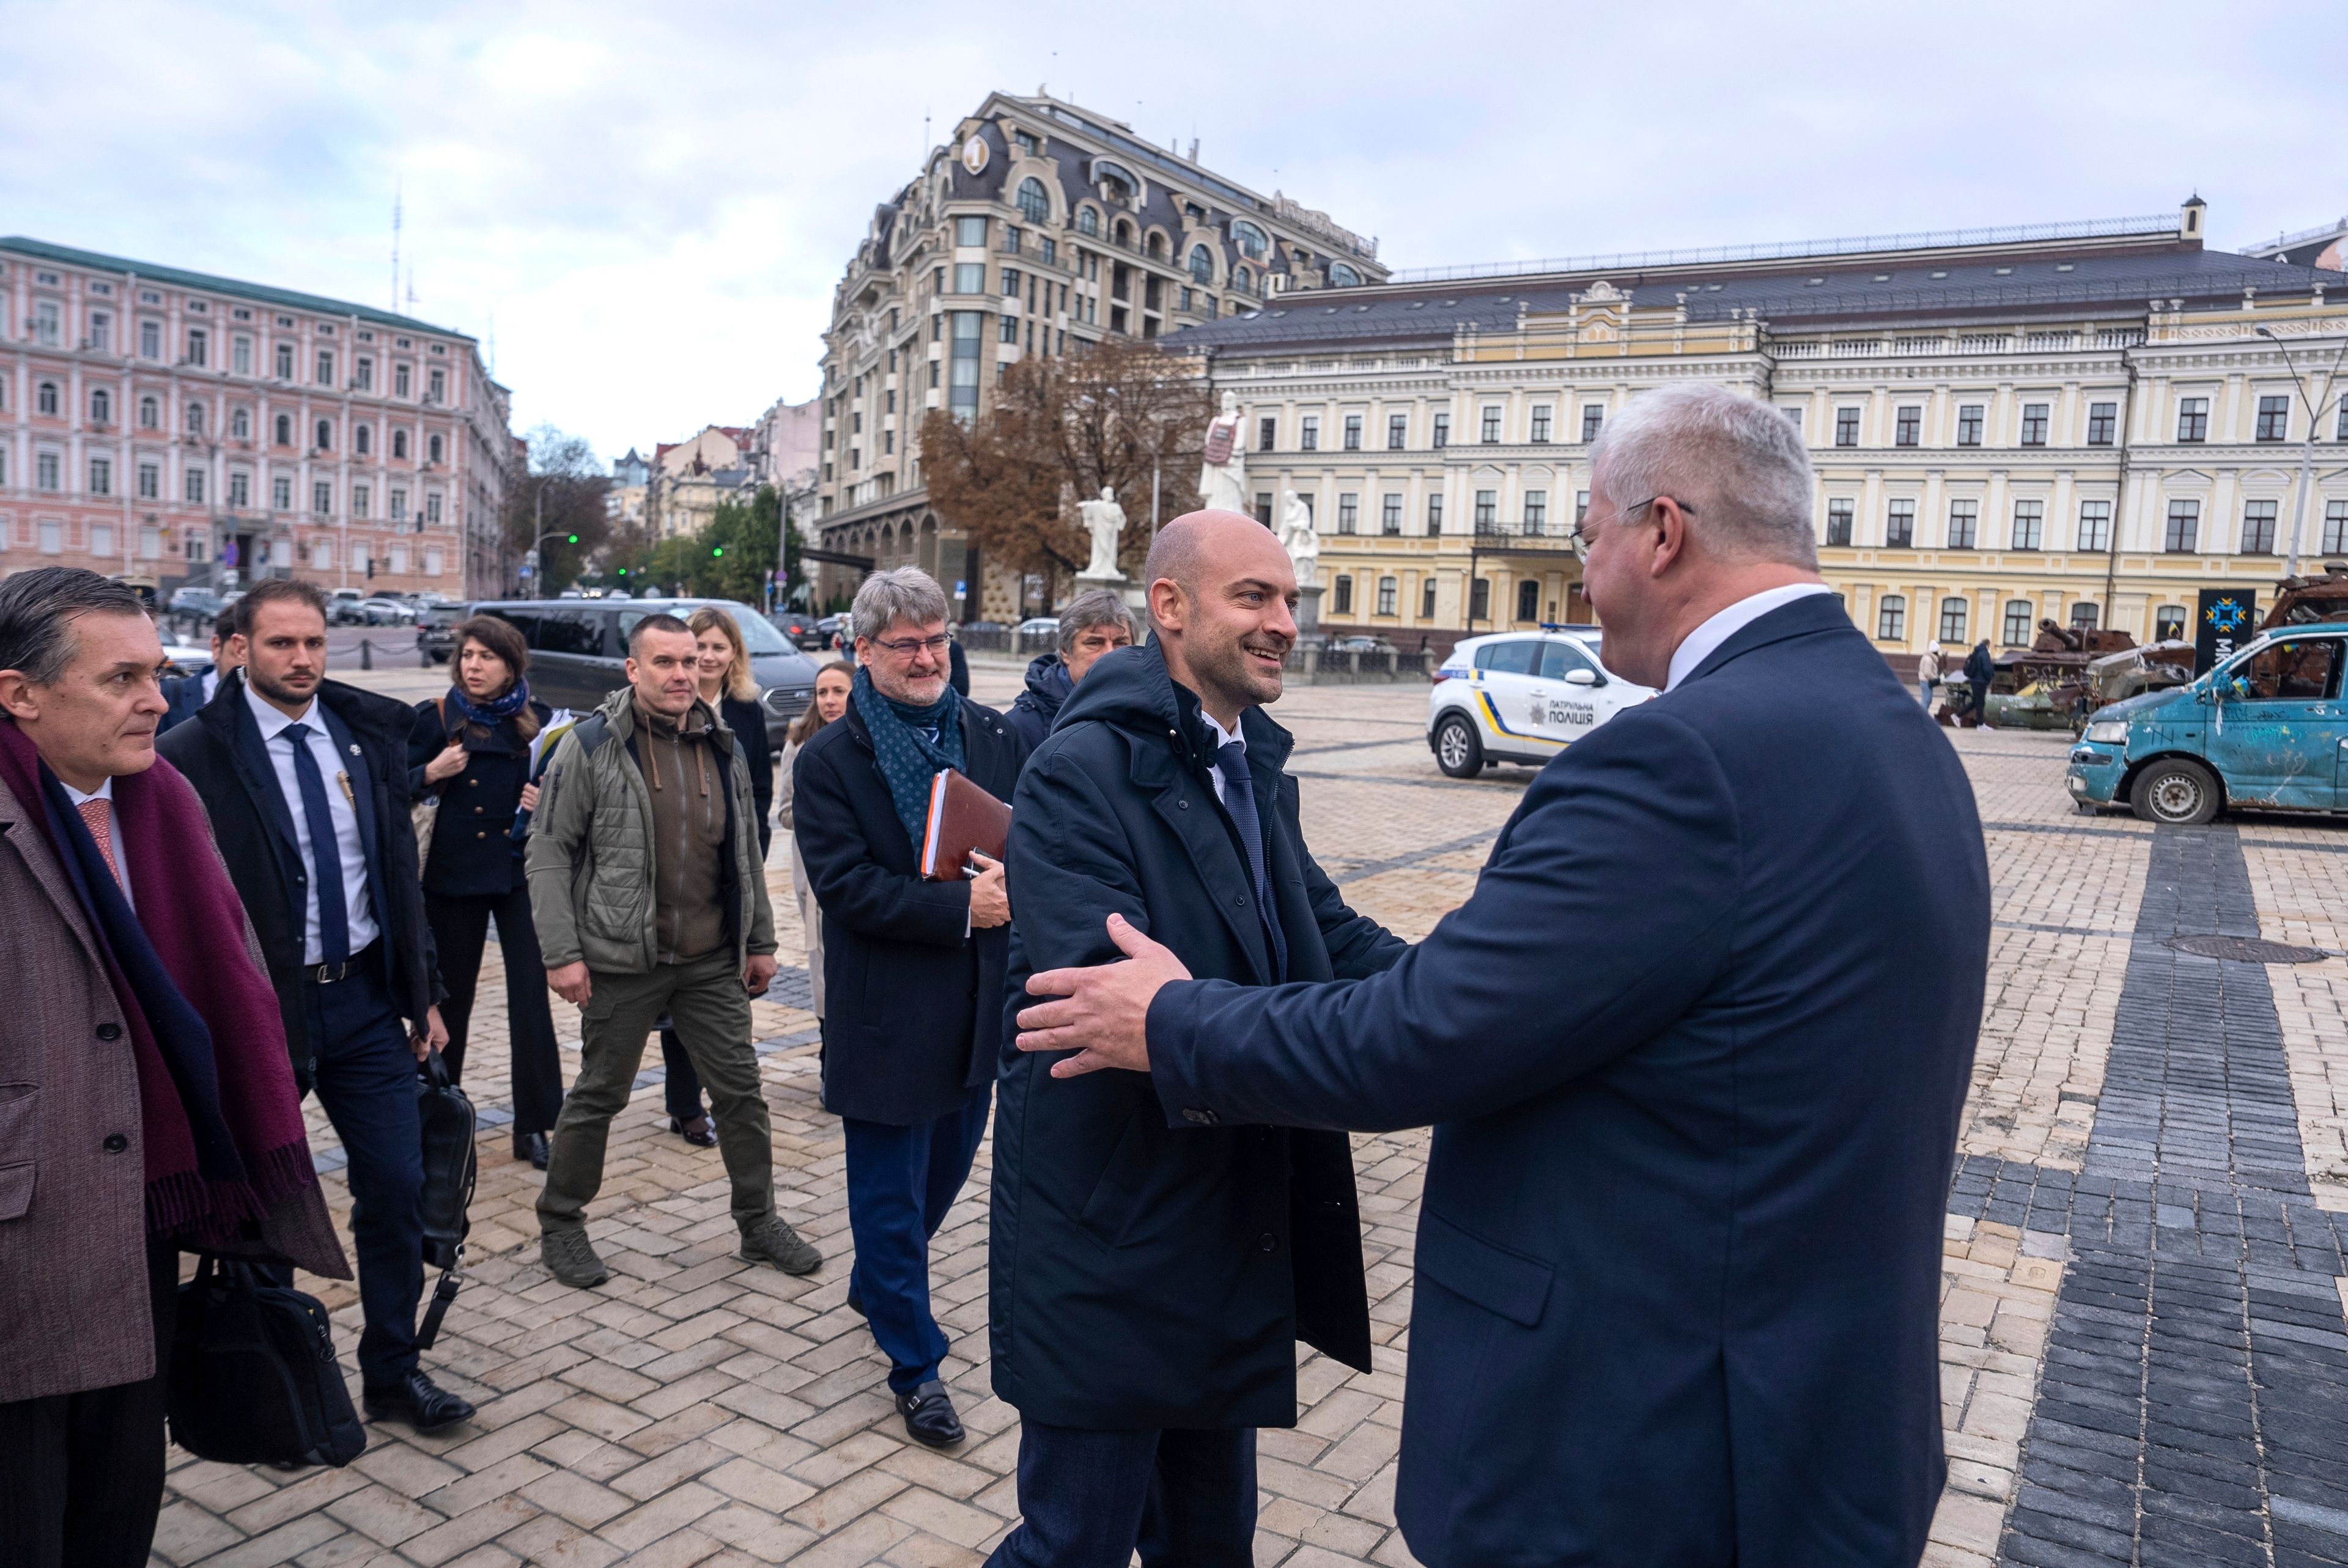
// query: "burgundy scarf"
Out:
[221,1124]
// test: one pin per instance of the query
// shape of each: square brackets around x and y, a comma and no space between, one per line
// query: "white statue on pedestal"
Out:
[1104,520]
[1222,482]
[1297,538]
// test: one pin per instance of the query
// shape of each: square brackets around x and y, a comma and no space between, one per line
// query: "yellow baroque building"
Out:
[2087,422]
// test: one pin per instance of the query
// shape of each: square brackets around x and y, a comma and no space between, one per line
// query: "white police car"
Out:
[1521,697]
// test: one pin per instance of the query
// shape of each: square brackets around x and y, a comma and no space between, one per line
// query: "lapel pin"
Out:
[355,750]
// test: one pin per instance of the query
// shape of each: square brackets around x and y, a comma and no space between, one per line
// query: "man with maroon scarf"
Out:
[147,1106]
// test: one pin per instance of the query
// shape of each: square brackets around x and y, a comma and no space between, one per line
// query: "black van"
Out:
[577,648]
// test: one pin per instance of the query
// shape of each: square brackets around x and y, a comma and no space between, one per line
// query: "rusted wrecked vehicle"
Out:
[2311,600]
[2047,685]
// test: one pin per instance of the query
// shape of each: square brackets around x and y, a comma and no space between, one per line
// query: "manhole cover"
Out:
[2247,950]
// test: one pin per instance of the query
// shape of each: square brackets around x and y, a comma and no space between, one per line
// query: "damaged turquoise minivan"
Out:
[2265,730]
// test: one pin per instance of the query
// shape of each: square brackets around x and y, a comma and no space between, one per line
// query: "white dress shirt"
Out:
[345,818]
[105,792]
[1725,624]
[1222,738]
[211,681]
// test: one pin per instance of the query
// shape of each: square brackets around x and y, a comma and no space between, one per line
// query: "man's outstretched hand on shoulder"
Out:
[1102,1014]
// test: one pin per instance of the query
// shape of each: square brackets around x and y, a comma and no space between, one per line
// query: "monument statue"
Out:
[1104,520]
[1222,482]
[1297,538]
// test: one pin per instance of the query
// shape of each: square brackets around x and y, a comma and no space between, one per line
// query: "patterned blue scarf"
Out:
[496,710]
[908,758]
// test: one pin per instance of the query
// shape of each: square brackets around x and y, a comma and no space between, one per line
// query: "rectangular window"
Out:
[1488,510]
[1969,425]
[101,332]
[970,230]
[1900,524]
[1398,431]
[2193,419]
[2095,525]
[2103,423]
[150,482]
[101,476]
[1952,621]
[1593,418]
[239,489]
[1426,600]
[2019,615]
[1964,524]
[2184,527]
[1049,250]
[962,389]
[2274,419]
[431,561]
[325,368]
[1838,516]
[362,500]
[1011,238]
[2085,616]
[101,539]
[970,278]
[1390,515]
[1433,516]
[46,466]
[1891,618]
[2029,524]
[1386,590]
[1906,425]
[1536,511]
[1846,427]
[1491,428]
[1309,441]
[1341,596]
[1011,282]
[2033,423]
[1008,329]
[285,361]
[150,544]
[44,323]
[1267,434]
[53,538]
[281,492]
[2258,527]
[241,355]
[1349,512]
[365,374]
[1479,600]
[150,340]
[1442,430]
[432,507]
[322,497]
[437,391]
[193,483]
[402,379]
[1352,433]
[322,555]
[1541,422]
[2335,527]
[199,346]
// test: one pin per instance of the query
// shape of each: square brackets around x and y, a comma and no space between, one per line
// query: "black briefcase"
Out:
[449,1171]
[254,1377]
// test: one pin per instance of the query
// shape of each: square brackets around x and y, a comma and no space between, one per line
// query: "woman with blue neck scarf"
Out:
[471,749]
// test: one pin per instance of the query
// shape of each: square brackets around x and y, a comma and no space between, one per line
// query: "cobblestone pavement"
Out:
[2143,1348]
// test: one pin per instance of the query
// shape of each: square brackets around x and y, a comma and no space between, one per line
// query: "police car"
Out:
[1521,697]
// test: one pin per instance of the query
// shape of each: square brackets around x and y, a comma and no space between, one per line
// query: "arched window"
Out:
[286,430]
[363,440]
[195,419]
[45,399]
[1342,276]
[1087,221]
[1202,265]
[1158,247]
[1116,178]
[432,449]
[399,443]
[240,423]
[151,414]
[101,405]
[1243,281]
[1124,233]
[1251,241]
[1034,205]
[325,441]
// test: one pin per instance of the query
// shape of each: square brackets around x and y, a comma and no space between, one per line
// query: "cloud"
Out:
[652,203]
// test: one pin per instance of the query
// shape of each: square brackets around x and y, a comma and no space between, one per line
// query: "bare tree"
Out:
[562,495]
[1058,431]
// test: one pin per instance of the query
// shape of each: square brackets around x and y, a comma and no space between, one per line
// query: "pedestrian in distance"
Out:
[183,695]
[470,749]
[1980,670]
[832,684]
[147,1106]
[722,673]
[1679,1253]
[1927,673]
[1094,623]
[913,967]
[646,886]
[305,780]
[1150,1282]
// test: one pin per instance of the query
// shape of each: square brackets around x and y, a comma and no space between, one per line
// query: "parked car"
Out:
[1519,697]
[383,610]
[800,629]
[1359,644]
[577,648]
[1040,626]
[831,631]
[2262,729]
[186,659]
[345,607]
[197,603]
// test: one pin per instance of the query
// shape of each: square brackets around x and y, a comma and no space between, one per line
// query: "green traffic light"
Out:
[574,538]
[717,550]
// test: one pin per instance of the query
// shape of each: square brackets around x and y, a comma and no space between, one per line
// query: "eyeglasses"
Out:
[1581,534]
[906,647]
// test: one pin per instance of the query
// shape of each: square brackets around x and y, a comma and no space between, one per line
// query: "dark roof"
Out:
[180,278]
[1852,292]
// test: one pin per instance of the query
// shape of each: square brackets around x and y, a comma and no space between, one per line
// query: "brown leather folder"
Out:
[962,818]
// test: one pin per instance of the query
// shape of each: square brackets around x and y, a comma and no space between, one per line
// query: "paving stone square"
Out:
[2144,1354]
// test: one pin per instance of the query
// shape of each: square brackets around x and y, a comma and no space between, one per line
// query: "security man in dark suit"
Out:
[184,696]
[1695,1102]
[305,780]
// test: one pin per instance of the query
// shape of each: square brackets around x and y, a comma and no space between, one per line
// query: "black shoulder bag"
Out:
[449,1172]
[254,1377]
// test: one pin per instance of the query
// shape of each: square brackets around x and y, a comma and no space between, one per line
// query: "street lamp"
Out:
[2307,449]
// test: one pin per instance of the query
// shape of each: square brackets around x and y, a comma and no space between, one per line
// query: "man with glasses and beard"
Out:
[914,969]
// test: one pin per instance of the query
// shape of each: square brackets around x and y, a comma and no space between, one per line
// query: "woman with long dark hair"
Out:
[471,749]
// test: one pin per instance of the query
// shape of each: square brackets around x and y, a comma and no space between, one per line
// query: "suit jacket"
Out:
[913,997]
[474,852]
[1694,1052]
[221,754]
[1142,1275]
[183,696]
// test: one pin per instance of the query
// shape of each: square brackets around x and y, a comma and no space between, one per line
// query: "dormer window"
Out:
[1251,241]
[1089,221]
[1342,276]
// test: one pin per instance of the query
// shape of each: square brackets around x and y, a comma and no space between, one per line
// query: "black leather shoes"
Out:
[422,1404]
[929,1416]
[531,1146]
[697,1131]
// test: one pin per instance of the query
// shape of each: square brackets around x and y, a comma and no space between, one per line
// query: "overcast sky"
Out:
[651,203]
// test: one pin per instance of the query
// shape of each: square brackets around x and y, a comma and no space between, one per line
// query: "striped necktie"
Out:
[97,816]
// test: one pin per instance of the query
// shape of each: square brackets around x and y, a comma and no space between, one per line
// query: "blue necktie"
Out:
[1239,799]
[325,851]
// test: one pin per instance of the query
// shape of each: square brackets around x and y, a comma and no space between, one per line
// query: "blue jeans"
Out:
[367,1081]
[1087,1500]
[1926,688]
[901,1182]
